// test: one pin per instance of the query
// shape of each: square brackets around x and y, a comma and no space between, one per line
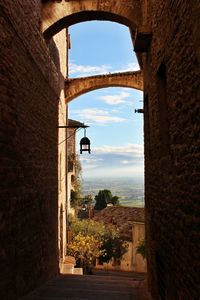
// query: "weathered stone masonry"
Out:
[172,156]
[75,87]
[29,94]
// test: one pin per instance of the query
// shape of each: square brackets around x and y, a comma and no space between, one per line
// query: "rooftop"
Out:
[122,217]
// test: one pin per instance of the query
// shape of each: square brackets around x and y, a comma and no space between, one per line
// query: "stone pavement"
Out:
[91,287]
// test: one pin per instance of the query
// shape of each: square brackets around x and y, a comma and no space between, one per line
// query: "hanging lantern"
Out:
[85,144]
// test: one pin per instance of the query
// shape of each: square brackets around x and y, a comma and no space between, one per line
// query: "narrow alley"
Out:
[92,287]
[44,68]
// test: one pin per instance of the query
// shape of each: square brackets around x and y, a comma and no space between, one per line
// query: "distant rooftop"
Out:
[76,124]
[122,217]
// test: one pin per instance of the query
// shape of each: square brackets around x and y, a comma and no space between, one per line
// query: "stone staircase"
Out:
[68,266]
[91,287]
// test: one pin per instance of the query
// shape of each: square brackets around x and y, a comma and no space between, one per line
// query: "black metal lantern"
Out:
[85,144]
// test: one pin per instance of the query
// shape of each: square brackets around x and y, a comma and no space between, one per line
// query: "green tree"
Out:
[109,242]
[85,249]
[74,198]
[88,199]
[115,200]
[103,198]
[141,248]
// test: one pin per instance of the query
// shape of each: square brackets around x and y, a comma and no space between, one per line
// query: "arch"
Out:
[61,14]
[78,86]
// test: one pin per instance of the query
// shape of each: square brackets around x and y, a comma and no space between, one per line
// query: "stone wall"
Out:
[172,157]
[28,145]
[71,149]
[57,15]
[58,51]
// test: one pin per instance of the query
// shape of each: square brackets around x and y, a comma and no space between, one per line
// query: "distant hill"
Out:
[130,191]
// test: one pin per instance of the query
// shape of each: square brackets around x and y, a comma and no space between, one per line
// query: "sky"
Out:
[115,130]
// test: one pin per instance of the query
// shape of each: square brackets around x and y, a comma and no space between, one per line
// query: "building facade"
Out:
[130,221]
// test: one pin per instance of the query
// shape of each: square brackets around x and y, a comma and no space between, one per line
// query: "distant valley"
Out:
[130,191]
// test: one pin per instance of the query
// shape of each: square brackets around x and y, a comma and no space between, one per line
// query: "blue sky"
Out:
[115,131]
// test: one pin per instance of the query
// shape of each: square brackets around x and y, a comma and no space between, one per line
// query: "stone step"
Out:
[88,287]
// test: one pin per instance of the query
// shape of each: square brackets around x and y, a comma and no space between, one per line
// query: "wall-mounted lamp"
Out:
[139,111]
[85,144]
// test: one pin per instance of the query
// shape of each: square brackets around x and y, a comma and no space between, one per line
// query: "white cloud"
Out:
[130,149]
[128,68]
[97,116]
[90,167]
[91,163]
[94,111]
[112,161]
[90,160]
[125,162]
[106,119]
[86,70]
[115,99]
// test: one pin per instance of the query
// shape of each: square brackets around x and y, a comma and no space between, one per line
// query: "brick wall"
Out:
[28,145]
[30,89]
[172,157]
[58,50]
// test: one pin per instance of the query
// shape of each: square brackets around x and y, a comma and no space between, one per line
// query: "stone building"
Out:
[131,225]
[73,126]
[33,60]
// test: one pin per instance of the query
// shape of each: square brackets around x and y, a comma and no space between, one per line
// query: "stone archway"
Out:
[61,14]
[77,86]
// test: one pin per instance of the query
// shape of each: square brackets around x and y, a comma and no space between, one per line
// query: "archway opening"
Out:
[116,132]
[104,48]
[100,47]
